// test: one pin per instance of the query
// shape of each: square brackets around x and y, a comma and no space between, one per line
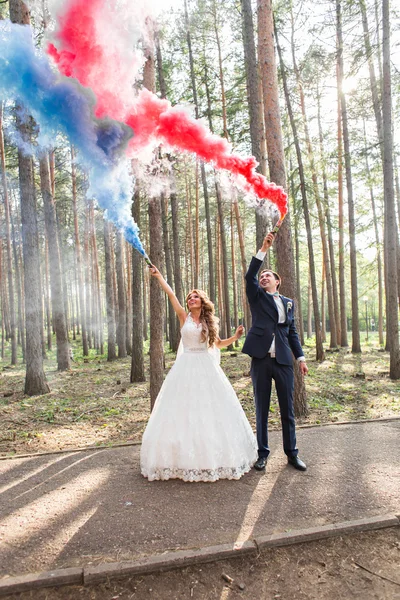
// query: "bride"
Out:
[198,430]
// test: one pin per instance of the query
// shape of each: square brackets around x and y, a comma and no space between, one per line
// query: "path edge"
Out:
[90,575]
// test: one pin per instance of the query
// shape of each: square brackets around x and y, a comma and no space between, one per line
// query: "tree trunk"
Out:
[224,251]
[297,257]
[220,277]
[97,288]
[377,243]
[137,364]
[329,230]
[196,231]
[372,77]
[157,301]
[276,161]
[309,311]
[318,331]
[176,254]
[60,224]
[202,168]
[254,100]
[121,326]
[323,315]
[356,347]
[78,258]
[189,228]
[2,301]
[35,379]
[8,244]
[57,299]
[21,325]
[111,351]
[317,196]
[173,339]
[239,225]
[391,237]
[88,288]
[234,282]
[129,324]
[342,276]
[46,286]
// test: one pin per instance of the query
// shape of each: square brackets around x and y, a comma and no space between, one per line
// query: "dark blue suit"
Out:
[264,368]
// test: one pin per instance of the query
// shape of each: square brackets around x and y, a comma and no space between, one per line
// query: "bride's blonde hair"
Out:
[210,323]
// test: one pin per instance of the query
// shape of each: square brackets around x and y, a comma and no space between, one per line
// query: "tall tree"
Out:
[303,188]
[377,243]
[327,211]
[276,162]
[137,364]
[173,322]
[57,299]
[391,234]
[173,337]
[317,196]
[202,168]
[121,326]
[254,100]
[21,324]
[157,300]
[111,352]
[78,257]
[342,275]
[355,325]
[35,379]
[8,244]
[372,77]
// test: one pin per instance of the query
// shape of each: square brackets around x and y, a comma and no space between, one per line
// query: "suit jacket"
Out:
[265,322]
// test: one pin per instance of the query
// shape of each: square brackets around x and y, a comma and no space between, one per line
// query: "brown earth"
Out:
[94,404]
[361,566]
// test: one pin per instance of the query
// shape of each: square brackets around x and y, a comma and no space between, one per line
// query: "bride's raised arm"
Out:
[176,305]
[223,343]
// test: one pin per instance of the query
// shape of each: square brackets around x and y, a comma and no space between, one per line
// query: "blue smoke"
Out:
[61,105]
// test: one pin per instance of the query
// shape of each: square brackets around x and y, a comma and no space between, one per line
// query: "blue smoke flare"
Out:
[61,105]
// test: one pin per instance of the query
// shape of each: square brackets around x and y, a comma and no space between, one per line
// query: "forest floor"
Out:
[94,404]
[362,566]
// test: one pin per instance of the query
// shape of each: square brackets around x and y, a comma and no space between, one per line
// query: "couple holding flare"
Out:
[198,430]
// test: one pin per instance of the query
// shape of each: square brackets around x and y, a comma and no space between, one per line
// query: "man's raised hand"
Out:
[267,242]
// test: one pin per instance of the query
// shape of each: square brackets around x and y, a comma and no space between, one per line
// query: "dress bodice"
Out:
[191,336]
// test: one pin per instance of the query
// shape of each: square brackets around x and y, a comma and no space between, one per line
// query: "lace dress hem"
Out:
[206,475]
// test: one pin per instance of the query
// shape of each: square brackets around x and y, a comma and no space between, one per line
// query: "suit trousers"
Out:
[263,371]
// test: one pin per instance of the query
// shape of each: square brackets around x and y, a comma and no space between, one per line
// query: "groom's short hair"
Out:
[276,275]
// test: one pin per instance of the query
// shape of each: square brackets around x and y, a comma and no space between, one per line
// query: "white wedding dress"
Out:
[198,430]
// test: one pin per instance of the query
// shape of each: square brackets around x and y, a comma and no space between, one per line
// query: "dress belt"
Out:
[195,350]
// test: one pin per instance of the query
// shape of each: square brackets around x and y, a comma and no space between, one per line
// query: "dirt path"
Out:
[92,507]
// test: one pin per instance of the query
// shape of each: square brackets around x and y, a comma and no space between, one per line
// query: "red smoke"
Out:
[83,55]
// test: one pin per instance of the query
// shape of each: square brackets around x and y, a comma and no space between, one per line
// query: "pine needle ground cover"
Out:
[94,404]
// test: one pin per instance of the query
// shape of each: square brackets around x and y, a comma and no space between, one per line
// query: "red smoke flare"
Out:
[83,55]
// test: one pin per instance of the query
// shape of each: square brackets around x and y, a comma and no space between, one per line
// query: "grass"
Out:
[95,404]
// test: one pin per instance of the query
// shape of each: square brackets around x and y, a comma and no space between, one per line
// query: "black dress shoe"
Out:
[261,463]
[297,463]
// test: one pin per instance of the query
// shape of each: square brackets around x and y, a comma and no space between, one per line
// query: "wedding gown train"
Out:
[197,430]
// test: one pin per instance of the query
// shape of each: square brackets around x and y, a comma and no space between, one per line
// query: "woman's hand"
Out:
[239,332]
[155,272]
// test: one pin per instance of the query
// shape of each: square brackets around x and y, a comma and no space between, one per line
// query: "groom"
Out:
[271,342]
